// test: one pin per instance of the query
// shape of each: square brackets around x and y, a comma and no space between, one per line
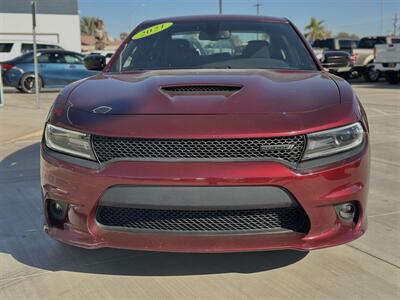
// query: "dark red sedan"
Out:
[207,134]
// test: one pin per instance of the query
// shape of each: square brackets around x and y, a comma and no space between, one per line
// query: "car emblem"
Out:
[266,148]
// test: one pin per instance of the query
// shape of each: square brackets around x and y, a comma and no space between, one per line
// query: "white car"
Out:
[10,49]
[387,61]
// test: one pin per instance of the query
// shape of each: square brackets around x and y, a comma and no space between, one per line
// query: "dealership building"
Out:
[57,22]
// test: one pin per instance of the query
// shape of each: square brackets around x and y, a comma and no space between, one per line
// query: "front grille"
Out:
[288,149]
[200,89]
[204,221]
[336,61]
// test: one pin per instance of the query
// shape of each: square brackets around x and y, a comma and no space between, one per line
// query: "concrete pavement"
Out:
[34,266]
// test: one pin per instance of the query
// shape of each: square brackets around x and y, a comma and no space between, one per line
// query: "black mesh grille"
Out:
[336,61]
[214,221]
[288,149]
[200,89]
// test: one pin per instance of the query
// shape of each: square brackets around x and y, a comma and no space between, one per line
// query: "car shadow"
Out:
[22,237]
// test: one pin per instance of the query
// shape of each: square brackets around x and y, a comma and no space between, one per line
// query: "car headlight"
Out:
[68,141]
[328,142]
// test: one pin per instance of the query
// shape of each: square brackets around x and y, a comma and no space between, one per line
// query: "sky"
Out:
[354,16]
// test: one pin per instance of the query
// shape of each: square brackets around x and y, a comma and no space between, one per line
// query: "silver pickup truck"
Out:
[387,61]
[364,55]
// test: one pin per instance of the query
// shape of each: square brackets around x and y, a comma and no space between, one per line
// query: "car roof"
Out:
[376,36]
[198,18]
[55,51]
[27,41]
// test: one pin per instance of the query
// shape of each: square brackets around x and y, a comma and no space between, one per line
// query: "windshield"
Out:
[236,45]
[324,44]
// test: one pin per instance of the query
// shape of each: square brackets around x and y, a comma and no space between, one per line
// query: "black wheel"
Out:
[392,77]
[27,84]
[371,75]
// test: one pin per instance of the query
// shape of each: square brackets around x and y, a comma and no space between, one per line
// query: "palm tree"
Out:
[123,35]
[88,25]
[315,30]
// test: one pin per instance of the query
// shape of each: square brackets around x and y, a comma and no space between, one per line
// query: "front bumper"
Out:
[334,69]
[317,190]
[387,67]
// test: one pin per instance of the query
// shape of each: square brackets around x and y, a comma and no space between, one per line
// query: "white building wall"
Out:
[61,29]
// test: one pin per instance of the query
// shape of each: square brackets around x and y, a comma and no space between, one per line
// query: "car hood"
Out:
[231,92]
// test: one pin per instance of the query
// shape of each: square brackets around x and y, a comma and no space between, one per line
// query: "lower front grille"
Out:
[336,61]
[204,221]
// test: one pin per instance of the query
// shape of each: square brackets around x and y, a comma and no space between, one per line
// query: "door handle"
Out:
[72,67]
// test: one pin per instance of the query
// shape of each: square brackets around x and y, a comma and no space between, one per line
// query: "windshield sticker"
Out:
[152,30]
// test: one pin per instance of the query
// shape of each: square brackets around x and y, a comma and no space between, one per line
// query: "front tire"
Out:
[392,77]
[371,75]
[27,84]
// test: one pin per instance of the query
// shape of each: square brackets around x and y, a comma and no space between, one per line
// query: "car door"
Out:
[75,69]
[52,68]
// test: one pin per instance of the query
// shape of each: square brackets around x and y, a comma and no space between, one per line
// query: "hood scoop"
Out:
[200,90]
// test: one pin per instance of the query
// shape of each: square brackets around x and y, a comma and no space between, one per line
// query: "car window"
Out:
[51,58]
[395,41]
[199,45]
[345,44]
[49,46]
[369,43]
[324,44]
[45,46]
[26,47]
[73,59]
[6,47]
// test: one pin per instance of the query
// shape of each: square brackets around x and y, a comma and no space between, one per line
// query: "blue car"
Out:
[57,68]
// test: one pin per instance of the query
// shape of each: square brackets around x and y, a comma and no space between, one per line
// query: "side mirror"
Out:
[95,62]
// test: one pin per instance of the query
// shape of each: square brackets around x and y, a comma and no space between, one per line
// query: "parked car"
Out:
[106,54]
[364,56]
[387,61]
[336,55]
[10,49]
[172,148]
[57,68]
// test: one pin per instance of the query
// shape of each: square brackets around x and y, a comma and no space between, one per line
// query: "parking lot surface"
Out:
[34,266]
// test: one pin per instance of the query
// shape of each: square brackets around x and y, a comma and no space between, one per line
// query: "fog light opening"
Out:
[347,211]
[57,211]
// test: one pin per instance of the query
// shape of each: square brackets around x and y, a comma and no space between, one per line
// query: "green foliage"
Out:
[123,35]
[346,35]
[316,30]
